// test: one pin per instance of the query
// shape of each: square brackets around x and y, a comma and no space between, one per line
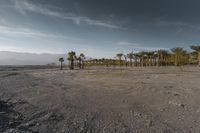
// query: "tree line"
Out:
[74,60]
[176,56]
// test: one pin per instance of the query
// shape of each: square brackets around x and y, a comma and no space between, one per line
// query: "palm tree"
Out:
[196,48]
[72,58]
[141,56]
[107,62]
[154,56]
[161,54]
[79,62]
[82,57]
[120,55]
[150,58]
[125,60]
[131,56]
[193,57]
[136,55]
[179,53]
[167,57]
[61,63]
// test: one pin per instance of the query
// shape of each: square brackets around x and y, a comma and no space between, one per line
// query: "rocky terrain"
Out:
[101,100]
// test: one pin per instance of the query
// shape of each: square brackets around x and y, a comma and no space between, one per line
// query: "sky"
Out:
[98,28]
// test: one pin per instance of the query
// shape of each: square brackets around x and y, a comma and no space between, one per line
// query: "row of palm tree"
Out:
[74,60]
[176,56]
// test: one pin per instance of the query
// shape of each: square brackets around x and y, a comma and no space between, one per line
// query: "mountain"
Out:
[16,58]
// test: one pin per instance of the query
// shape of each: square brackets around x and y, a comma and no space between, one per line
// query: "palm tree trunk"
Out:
[131,62]
[158,61]
[120,62]
[150,61]
[175,60]
[82,65]
[136,61]
[72,64]
[61,66]
[142,61]
[199,58]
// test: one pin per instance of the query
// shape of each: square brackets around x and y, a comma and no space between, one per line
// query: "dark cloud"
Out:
[147,23]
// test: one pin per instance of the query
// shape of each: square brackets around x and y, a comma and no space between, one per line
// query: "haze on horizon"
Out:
[98,28]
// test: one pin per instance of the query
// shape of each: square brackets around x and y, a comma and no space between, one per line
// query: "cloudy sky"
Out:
[99,28]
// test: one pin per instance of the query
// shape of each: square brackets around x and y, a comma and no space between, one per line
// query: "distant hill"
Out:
[15,58]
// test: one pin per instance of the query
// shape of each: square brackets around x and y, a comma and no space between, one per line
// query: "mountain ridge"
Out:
[25,58]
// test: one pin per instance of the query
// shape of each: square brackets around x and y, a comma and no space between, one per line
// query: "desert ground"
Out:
[101,100]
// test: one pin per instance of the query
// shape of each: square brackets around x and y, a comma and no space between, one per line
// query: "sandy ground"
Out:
[104,100]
